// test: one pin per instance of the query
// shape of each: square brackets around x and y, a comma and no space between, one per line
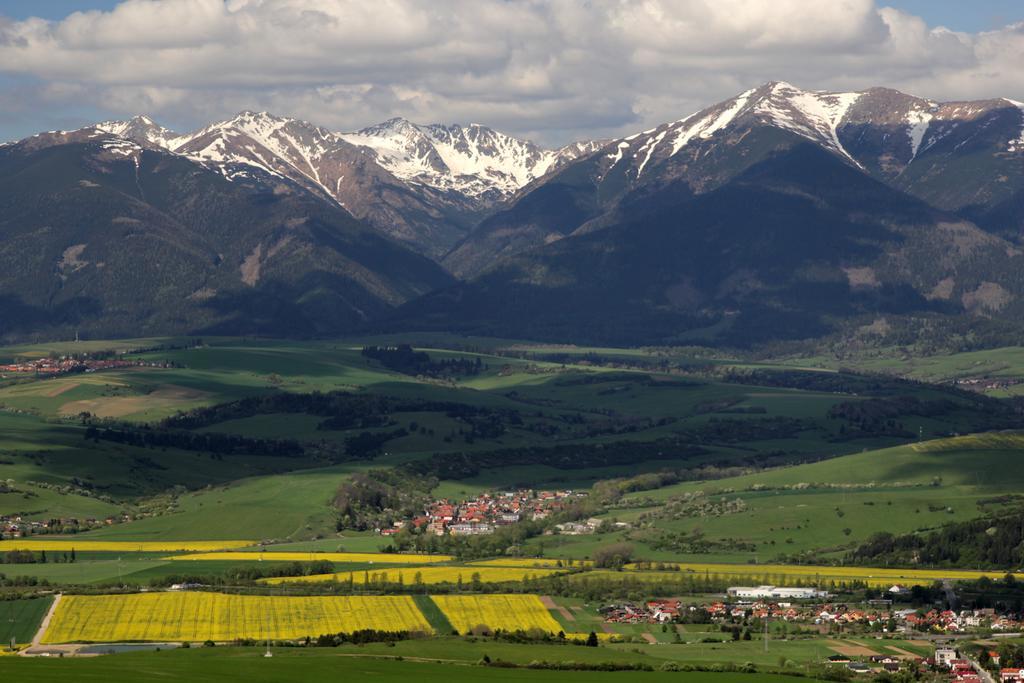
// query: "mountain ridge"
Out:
[909,143]
[642,239]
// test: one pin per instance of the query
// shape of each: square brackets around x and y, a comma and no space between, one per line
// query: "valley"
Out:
[284,471]
[314,390]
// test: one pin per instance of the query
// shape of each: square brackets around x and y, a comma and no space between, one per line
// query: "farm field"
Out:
[548,562]
[837,502]
[20,619]
[88,545]
[248,664]
[1006,362]
[783,575]
[291,505]
[175,617]
[291,556]
[425,575]
[289,498]
[505,612]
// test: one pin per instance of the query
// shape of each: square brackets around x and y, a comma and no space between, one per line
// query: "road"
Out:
[985,675]
[37,639]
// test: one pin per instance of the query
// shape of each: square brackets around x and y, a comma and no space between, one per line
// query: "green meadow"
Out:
[307,665]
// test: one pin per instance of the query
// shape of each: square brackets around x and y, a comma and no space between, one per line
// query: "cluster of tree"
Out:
[694,542]
[471,547]
[246,574]
[592,378]
[610,490]
[360,637]
[22,557]
[562,456]
[404,359]
[570,665]
[344,411]
[19,556]
[843,382]
[21,581]
[218,444]
[366,445]
[877,410]
[613,556]
[737,632]
[996,543]
[358,411]
[377,498]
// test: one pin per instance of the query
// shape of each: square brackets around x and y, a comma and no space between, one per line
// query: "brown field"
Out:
[901,652]
[59,388]
[851,649]
[550,604]
[165,396]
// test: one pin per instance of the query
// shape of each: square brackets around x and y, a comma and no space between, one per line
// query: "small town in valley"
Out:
[488,511]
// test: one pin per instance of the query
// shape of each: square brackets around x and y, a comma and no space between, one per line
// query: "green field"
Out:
[305,665]
[808,507]
[768,469]
[42,443]
[20,619]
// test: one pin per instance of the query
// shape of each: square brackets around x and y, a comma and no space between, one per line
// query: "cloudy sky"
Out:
[552,70]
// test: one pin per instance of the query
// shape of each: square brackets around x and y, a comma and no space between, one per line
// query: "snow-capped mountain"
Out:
[424,185]
[878,130]
[142,130]
[473,160]
[958,156]
[430,185]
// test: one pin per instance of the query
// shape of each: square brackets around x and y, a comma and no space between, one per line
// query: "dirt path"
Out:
[649,637]
[55,391]
[37,639]
[550,604]
[850,649]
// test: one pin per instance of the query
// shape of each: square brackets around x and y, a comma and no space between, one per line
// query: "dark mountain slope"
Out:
[963,157]
[101,235]
[786,248]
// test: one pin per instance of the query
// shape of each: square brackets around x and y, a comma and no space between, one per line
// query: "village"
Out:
[17,526]
[485,513]
[817,619]
[825,617]
[65,365]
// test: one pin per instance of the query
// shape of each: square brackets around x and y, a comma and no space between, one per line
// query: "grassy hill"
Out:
[672,410]
[826,507]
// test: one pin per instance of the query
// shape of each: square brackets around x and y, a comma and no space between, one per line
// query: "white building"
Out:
[775,592]
[944,656]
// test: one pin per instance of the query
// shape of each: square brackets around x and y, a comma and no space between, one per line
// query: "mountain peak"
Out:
[473,159]
[140,129]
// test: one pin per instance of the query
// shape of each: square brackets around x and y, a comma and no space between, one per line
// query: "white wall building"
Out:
[775,592]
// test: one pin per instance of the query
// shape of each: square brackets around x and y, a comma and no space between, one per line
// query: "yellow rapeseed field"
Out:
[172,617]
[505,612]
[426,575]
[289,556]
[86,545]
[534,562]
[779,574]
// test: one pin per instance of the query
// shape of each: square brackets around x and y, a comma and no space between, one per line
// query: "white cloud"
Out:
[555,69]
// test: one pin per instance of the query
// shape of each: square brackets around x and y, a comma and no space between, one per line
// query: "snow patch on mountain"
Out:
[473,160]
[814,115]
[709,124]
[140,129]
[918,121]
[1017,145]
